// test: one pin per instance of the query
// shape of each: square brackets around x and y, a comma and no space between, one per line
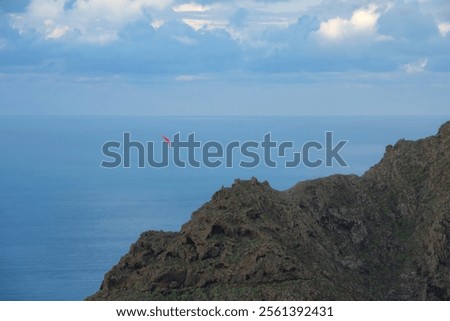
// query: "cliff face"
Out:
[382,236]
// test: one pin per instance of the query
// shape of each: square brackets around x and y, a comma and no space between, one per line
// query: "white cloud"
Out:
[198,24]
[100,21]
[57,32]
[253,34]
[362,22]
[156,24]
[53,31]
[415,67]
[284,8]
[97,21]
[190,7]
[444,28]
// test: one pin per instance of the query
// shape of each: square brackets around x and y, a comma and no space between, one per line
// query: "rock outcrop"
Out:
[382,236]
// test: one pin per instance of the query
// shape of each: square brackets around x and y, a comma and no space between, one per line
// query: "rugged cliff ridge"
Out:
[382,236]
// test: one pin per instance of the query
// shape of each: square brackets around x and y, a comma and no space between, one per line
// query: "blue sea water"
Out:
[65,220]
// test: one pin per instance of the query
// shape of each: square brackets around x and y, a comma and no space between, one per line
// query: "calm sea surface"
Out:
[65,220]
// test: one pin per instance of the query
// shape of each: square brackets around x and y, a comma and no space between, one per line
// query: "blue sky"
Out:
[205,57]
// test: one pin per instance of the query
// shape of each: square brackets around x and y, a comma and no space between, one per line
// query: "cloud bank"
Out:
[254,41]
[235,35]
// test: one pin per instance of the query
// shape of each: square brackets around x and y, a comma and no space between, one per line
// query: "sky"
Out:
[207,57]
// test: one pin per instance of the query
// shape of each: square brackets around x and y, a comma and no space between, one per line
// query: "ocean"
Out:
[65,220]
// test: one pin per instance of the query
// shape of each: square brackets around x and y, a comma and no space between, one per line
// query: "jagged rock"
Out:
[382,236]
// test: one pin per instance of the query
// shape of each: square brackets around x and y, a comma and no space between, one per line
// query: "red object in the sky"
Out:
[167,140]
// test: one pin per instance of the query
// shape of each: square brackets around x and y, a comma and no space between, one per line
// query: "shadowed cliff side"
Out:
[382,236]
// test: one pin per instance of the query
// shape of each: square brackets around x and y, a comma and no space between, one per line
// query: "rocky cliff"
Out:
[382,236]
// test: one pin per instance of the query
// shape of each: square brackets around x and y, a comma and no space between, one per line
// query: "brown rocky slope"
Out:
[382,236]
